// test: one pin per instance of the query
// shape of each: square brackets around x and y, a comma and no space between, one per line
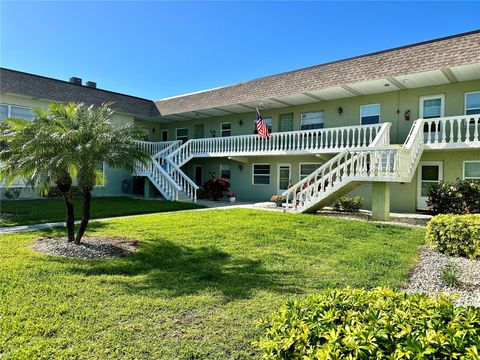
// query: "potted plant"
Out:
[231,197]
[277,199]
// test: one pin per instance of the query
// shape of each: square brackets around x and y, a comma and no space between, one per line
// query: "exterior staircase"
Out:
[379,162]
[363,154]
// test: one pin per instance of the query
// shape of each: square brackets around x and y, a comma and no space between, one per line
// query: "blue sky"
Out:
[159,49]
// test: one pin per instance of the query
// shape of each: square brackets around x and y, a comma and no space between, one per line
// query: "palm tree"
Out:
[95,140]
[36,151]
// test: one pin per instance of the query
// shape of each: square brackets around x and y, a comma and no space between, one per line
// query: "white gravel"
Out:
[427,276]
[89,248]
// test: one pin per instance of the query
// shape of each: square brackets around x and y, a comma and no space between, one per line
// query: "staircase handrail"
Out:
[383,136]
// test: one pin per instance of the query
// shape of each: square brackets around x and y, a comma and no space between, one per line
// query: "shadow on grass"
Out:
[164,268]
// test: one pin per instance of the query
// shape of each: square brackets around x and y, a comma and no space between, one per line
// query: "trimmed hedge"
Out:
[371,324]
[348,204]
[457,235]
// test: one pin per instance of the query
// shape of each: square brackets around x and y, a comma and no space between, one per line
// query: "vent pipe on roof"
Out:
[76,80]
[91,84]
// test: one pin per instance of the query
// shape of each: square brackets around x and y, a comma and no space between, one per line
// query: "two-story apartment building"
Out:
[384,125]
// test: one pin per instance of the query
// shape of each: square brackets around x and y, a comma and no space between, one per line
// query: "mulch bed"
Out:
[91,247]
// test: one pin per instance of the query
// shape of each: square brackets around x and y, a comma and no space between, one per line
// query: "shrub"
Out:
[371,324]
[450,274]
[461,197]
[348,204]
[53,192]
[277,198]
[457,235]
[216,188]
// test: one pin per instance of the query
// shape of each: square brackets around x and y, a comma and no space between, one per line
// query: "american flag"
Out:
[261,126]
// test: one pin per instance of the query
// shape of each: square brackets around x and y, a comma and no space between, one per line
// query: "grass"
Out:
[195,288]
[23,212]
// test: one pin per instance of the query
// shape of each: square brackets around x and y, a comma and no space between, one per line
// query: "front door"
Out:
[429,173]
[284,176]
[199,175]
[286,122]
[164,135]
[199,131]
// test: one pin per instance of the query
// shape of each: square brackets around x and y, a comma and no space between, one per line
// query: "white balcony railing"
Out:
[452,131]
[292,142]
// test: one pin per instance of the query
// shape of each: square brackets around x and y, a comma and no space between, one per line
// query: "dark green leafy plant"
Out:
[348,204]
[371,324]
[457,235]
[460,197]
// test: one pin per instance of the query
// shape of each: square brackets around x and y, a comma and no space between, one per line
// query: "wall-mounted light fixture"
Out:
[212,132]
[340,110]
[240,167]
[240,122]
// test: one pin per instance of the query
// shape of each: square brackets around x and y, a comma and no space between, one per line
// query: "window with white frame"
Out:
[370,114]
[100,168]
[225,171]
[182,134]
[226,129]
[261,174]
[268,122]
[14,111]
[472,103]
[307,168]
[471,170]
[311,120]
[432,106]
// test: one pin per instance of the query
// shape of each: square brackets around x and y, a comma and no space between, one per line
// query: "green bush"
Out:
[460,197]
[53,192]
[348,204]
[375,324]
[457,235]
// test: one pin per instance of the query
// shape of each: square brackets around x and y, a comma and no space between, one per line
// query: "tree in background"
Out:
[37,152]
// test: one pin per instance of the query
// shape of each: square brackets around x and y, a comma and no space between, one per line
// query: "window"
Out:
[225,171]
[14,111]
[226,129]
[431,106]
[311,120]
[472,103]
[100,167]
[182,134]
[307,168]
[471,170]
[261,174]
[268,122]
[370,114]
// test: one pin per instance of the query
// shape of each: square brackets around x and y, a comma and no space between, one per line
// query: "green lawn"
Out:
[50,210]
[195,288]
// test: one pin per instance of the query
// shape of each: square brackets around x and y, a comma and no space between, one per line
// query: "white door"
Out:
[284,177]
[431,107]
[429,173]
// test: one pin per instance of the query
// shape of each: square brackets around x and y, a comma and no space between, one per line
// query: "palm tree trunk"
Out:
[70,221]
[64,184]
[87,199]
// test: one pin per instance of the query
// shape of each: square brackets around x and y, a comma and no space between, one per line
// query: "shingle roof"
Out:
[21,83]
[431,55]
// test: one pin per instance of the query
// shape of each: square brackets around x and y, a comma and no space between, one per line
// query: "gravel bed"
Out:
[427,276]
[394,220]
[89,248]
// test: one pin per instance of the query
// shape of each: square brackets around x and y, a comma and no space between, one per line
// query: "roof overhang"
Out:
[383,85]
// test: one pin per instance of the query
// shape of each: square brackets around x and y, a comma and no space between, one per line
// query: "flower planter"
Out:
[279,203]
[232,199]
